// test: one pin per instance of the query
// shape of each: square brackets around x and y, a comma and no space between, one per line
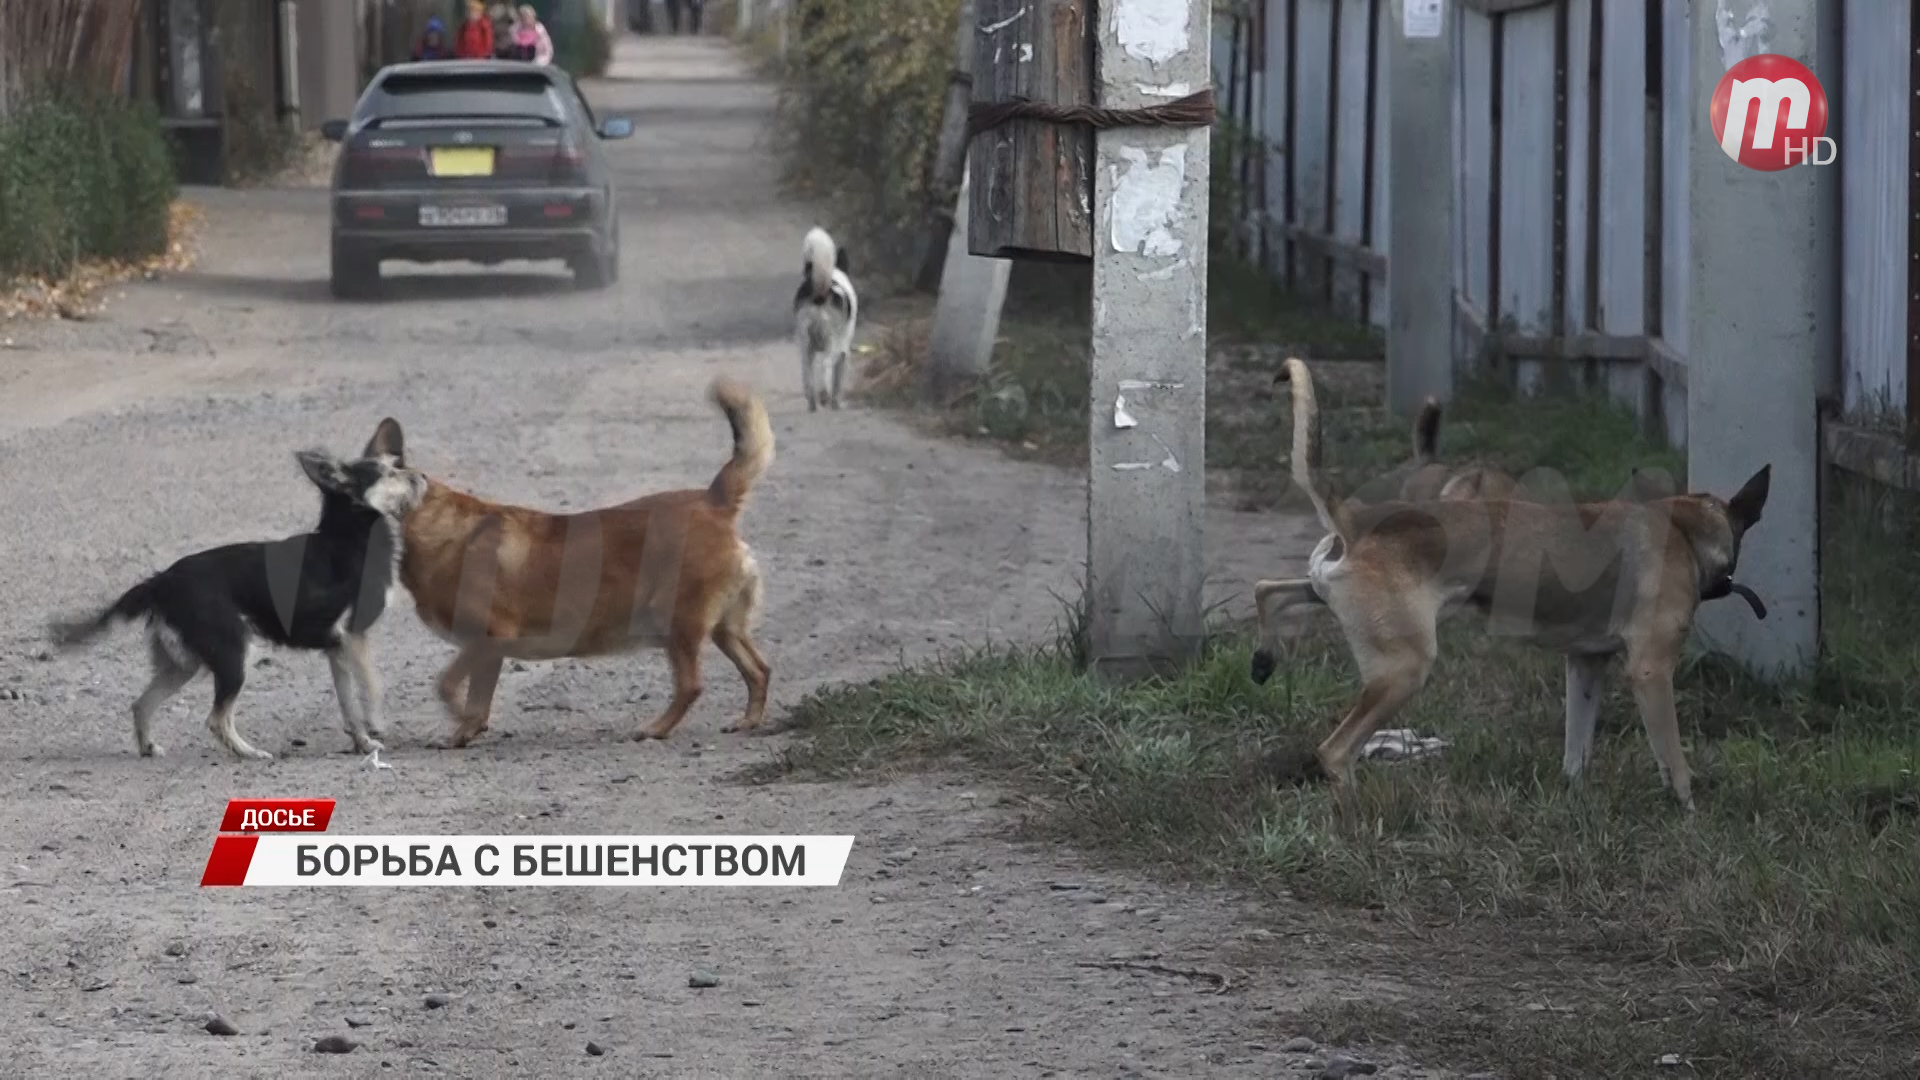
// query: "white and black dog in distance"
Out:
[825,310]
[320,591]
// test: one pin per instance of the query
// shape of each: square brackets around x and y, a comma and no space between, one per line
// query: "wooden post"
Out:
[1147,482]
[950,156]
[1032,178]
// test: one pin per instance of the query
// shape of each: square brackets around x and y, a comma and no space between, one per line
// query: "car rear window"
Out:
[410,97]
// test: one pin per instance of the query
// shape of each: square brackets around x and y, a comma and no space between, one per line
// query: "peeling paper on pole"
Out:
[1153,30]
[994,28]
[1748,39]
[1121,417]
[1169,463]
[1146,201]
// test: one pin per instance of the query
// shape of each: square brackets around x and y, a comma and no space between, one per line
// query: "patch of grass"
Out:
[1245,303]
[1791,901]
[1034,400]
[1586,441]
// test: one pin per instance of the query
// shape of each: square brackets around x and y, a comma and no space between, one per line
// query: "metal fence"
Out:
[1572,126]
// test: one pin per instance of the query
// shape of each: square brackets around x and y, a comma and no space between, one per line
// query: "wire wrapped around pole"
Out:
[1194,110]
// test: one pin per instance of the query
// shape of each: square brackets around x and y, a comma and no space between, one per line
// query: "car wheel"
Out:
[354,273]
[595,270]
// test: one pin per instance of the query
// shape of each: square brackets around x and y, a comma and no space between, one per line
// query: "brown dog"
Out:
[1590,581]
[666,571]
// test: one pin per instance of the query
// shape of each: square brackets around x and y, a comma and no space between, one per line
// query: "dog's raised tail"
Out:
[1426,433]
[1306,452]
[70,633]
[752,443]
[821,255]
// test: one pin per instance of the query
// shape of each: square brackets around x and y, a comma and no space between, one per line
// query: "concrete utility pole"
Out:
[967,318]
[1419,204]
[1761,321]
[1147,489]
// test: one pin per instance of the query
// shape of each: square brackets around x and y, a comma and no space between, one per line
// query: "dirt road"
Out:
[168,423]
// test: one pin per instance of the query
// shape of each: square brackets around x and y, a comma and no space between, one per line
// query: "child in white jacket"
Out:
[531,34]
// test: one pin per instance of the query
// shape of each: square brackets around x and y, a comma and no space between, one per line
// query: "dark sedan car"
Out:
[480,160]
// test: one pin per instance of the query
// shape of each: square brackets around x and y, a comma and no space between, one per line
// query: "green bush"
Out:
[582,45]
[861,96]
[81,176]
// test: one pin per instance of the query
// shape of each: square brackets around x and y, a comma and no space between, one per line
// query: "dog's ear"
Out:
[840,262]
[387,442]
[1745,506]
[323,469]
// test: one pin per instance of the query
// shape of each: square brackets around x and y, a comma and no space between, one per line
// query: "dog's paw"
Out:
[1263,666]
[258,755]
[153,750]
[647,734]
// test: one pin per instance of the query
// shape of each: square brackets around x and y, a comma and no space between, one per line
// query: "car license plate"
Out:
[462,160]
[462,216]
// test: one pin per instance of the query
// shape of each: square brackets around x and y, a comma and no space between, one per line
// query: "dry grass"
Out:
[78,293]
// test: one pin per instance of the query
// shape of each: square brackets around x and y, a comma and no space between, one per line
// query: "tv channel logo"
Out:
[1770,113]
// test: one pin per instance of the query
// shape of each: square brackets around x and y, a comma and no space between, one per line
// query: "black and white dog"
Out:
[825,309]
[321,590]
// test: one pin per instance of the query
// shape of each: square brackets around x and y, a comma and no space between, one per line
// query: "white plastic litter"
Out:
[1402,744]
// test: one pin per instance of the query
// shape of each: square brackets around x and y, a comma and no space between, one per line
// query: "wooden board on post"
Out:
[1032,184]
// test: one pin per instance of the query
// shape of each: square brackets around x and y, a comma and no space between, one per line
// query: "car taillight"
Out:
[569,162]
[371,164]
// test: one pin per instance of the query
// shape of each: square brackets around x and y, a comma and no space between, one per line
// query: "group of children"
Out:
[503,34]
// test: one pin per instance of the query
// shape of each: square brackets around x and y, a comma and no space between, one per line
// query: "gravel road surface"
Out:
[167,424]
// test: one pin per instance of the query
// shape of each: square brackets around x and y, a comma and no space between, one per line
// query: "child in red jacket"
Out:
[476,34]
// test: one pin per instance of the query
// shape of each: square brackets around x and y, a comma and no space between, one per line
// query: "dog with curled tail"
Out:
[826,310]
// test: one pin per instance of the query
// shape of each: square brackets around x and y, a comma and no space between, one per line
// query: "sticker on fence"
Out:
[1421,18]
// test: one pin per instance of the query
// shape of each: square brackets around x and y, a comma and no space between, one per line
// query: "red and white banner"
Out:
[277,845]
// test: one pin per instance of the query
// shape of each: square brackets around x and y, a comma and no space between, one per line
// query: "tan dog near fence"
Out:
[1591,581]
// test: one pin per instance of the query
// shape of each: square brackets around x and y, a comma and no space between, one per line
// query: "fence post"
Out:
[1419,205]
[1761,320]
[1147,483]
